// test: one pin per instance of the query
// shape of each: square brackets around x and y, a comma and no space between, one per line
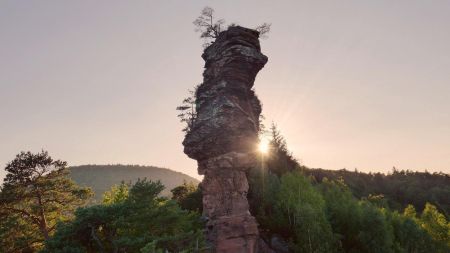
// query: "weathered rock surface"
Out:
[224,136]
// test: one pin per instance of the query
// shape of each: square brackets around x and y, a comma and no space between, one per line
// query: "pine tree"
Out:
[280,160]
[36,193]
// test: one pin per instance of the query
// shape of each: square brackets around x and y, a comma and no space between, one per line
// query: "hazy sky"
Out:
[351,84]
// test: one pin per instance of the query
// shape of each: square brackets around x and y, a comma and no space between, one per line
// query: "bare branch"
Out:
[263,30]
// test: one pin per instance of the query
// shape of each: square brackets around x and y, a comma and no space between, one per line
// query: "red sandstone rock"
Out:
[224,136]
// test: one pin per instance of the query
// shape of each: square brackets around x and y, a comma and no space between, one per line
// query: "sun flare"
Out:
[263,146]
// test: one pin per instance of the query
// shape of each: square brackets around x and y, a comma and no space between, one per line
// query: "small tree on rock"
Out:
[210,28]
[188,110]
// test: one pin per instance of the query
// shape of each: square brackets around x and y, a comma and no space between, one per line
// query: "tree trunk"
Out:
[43,221]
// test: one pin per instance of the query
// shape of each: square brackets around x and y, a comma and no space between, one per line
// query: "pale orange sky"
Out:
[354,84]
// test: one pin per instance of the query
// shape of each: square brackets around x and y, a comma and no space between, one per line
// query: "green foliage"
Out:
[326,217]
[316,214]
[102,177]
[36,193]
[291,207]
[360,225]
[374,231]
[17,235]
[142,222]
[300,210]
[342,211]
[262,196]
[399,188]
[408,235]
[188,196]
[436,225]
[410,212]
[117,194]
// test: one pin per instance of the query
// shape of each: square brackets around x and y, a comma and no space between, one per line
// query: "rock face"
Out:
[224,136]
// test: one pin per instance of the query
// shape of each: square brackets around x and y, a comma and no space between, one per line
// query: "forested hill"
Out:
[101,177]
[399,188]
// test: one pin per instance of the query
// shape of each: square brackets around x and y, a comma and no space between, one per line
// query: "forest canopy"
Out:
[298,210]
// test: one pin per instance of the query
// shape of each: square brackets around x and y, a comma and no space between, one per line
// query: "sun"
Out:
[263,146]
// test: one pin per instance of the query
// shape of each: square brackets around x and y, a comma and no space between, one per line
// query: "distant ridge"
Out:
[399,188]
[102,177]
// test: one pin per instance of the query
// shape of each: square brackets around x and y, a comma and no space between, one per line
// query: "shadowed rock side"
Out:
[224,137]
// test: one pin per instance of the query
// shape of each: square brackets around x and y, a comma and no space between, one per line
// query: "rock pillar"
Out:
[224,137]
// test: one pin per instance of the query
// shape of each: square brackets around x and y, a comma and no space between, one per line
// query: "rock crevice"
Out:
[224,136]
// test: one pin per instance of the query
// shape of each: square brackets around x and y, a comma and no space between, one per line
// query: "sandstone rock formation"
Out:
[224,136]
